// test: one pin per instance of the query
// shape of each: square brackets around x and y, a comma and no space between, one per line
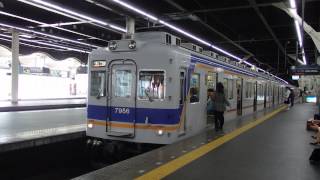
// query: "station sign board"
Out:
[305,70]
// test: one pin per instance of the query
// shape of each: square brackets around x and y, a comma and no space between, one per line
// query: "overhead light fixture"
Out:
[65,10]
[63,24]
[141,12]
[48,25]
[48,35]
[31,45]
[26,36]
[47,44]
[292,4]
[69,13]
[136,10]
[296,23]
[293,9]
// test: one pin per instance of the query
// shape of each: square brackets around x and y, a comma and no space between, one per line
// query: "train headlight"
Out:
[113,45]
[160,132]
[90,125]
[132,44]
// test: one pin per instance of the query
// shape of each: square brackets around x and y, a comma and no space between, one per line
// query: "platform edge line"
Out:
[174,165]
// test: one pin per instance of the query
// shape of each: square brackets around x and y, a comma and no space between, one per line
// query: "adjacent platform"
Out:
[271,144]
[7,106]
[32,128]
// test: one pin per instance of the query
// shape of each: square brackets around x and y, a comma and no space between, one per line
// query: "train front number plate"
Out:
[121,110]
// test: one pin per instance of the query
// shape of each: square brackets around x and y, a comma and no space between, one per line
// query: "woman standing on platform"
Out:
[220,106]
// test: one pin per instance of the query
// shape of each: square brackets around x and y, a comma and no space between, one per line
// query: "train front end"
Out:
[133,95]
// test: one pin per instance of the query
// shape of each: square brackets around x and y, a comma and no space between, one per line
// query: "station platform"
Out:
[25,129]
[26,105]
[269,144]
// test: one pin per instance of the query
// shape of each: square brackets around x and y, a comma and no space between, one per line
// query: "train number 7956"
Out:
[121,110]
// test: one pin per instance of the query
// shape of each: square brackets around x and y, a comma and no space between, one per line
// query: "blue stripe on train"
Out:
[198,59]
[155,116]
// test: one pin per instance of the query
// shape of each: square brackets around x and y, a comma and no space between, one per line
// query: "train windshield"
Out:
[123,83]
[98,83]
[151,85]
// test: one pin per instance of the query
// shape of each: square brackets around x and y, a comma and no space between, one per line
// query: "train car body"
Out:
[139,89]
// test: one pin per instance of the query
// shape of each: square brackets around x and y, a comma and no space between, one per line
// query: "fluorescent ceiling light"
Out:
[141,12]
[136,10]
[47,44]
[31,45]
[69,13]
[26,36]
[184,33]
[48,35]
[298,32]
[292,4]
[63,24]
[45,24]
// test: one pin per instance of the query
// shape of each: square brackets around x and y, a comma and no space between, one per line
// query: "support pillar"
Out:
[15,66]
[130,27]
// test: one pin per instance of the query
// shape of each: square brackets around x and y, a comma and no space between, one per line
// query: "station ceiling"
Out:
[246,28]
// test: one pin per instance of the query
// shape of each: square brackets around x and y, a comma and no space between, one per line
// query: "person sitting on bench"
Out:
[316,127]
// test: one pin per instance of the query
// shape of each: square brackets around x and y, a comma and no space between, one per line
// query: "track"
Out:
[62,160]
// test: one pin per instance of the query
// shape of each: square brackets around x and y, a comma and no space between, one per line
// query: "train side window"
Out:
[178,42]
[151,85]
[168,39]
[98,84]
[123,84]
[211,80]
[195,88]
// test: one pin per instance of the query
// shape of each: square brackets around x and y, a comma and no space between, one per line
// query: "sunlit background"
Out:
[42,77]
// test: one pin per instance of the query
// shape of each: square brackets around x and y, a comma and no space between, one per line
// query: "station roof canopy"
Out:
[252,29]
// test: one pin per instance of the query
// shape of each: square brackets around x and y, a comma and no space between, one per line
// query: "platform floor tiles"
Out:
[277,149]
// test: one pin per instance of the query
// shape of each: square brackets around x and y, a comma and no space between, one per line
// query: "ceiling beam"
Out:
[267,26]
[180,8]
[220,9]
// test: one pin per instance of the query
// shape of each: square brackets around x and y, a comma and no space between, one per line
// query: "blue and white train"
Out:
[139,89]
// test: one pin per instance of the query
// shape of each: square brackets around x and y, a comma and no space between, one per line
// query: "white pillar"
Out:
[15,66]
[130,27]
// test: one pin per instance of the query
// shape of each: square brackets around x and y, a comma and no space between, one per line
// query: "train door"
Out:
[255,96]
[211,82]
[122,98]
[182,101]
[239,85]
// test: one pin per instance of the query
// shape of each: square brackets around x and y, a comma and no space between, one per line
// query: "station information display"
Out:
[305,70]
[99,63]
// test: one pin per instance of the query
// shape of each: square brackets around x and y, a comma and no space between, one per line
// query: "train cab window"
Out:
[123,83]
[195,88]
[151,85]
[98,82]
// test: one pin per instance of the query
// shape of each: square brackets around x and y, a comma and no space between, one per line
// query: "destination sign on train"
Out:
[99,63]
